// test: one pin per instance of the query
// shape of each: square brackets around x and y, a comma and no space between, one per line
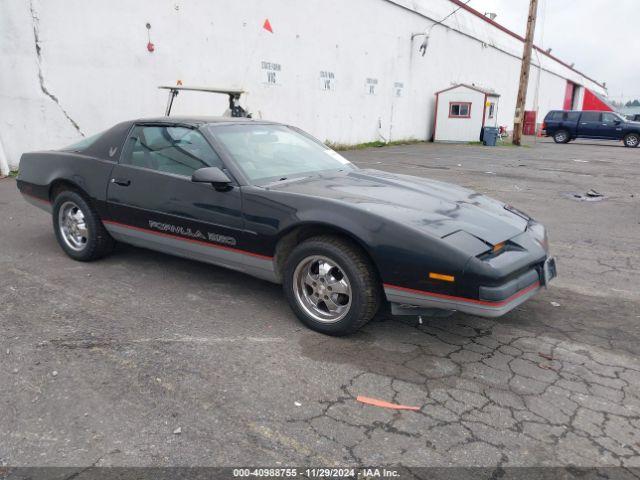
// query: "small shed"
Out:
[461,112]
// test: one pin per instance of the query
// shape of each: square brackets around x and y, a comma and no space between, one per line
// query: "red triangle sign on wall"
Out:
[267,25]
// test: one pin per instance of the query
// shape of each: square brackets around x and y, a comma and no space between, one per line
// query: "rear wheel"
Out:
[78,228]
[561,136]
[631,140]
[331,285]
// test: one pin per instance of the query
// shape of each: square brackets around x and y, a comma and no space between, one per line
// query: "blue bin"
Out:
[489,136]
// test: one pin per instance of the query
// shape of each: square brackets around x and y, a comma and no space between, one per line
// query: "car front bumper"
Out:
[493,301]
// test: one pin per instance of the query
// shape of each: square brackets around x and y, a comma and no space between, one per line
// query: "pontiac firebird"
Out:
[270,200]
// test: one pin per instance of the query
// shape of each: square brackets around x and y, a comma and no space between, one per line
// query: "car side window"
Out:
[554,116]
[573,116]
[609,118]
[590,117]
[175,150]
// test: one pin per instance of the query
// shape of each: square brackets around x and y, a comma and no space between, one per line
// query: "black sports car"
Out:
[271,201]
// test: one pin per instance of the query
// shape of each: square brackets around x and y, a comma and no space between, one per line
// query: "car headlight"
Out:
[539,234]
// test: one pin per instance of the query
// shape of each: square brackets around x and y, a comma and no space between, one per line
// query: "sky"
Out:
[600,36]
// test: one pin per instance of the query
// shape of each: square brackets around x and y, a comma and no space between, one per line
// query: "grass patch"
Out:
[13,173]
[376,144]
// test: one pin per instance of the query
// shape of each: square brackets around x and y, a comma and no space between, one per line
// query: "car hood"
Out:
[437,208]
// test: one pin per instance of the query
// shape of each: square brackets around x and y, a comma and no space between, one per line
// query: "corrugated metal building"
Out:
[347,72]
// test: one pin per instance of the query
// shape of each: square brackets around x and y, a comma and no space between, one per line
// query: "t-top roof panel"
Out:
[230,91]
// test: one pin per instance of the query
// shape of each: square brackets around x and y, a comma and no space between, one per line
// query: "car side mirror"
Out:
[213,175]
[617,122]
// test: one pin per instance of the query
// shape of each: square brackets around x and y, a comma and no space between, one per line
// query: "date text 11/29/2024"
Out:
[319,472]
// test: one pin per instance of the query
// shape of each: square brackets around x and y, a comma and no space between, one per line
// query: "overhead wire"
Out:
[425,43]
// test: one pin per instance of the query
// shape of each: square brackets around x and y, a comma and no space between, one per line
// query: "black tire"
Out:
[97,243]
[631,140]
[561,136]
[365,298]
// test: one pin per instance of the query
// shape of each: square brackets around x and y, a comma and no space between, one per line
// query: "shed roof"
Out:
[486,91]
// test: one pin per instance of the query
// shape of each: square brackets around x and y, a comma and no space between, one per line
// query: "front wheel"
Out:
[631,140]
[331,285]
[561,136]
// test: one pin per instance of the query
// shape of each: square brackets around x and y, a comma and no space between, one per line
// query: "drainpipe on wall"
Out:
[4,164]
[380,130]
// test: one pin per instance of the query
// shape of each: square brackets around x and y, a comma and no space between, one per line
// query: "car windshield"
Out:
[267,153]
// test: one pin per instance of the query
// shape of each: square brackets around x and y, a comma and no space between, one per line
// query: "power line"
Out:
[454,11]
[425,43]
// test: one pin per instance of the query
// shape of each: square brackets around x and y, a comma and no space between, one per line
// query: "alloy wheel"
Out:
[72,226]
[322,289]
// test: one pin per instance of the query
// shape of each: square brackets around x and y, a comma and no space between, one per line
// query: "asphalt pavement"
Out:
[144,359]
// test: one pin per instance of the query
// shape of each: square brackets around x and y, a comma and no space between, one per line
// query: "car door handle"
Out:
[121,181]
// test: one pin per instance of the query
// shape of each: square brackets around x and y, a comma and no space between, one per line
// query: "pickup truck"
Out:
[567,125]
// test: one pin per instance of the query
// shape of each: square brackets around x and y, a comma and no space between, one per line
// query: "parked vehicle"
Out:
[566,125]
[269,200]
[635,117]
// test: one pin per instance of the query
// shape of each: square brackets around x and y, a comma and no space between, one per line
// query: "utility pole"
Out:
[524,73]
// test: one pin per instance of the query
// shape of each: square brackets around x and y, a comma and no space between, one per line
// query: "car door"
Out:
[153,203]
[612,126]
[590,125]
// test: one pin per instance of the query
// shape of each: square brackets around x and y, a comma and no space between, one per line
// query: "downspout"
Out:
[4,164]
[484,110]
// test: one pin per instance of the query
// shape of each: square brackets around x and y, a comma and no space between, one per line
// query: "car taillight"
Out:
[544,125]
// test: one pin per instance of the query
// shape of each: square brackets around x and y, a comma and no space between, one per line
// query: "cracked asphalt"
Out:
[103,362]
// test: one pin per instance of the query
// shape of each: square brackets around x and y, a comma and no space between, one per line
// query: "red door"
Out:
[568,96]
[529,127]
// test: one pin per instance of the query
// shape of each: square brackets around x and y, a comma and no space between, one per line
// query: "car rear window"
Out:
[559,116]
[84,143]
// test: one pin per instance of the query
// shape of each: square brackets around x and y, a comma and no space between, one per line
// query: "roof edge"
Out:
[485,91]
[475,12]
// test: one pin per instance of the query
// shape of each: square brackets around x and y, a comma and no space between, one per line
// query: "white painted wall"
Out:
[459,129]
[93,68]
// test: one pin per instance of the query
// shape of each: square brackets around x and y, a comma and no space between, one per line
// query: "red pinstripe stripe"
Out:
[192,240]
[463,299]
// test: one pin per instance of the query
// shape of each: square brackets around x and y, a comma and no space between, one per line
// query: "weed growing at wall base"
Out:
[360,146]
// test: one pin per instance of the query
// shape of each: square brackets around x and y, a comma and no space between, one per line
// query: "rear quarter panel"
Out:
[39,170]
[89,170]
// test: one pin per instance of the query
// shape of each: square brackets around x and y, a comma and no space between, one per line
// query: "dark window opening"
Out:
[460,109]
[590,117]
